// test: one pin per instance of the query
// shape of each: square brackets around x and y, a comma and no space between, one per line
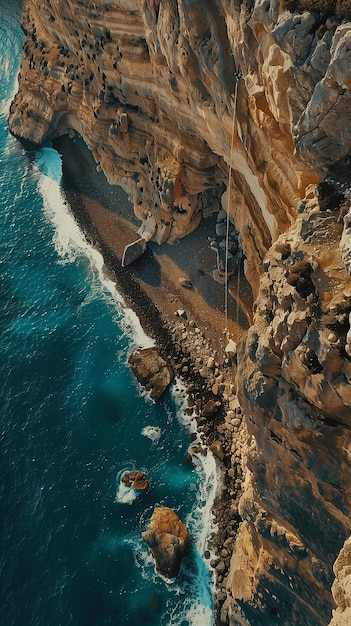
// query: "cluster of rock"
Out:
[212,396]
[167,537]
[136,480]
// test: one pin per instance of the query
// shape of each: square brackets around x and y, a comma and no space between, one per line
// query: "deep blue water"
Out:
[73,418]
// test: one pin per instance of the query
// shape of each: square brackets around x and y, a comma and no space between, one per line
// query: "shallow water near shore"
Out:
[73,418]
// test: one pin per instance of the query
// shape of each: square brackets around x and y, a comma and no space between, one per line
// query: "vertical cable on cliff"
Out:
[237,76]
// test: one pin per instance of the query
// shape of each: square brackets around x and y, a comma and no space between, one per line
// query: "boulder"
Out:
[151,370]
[133,251]
[211,408]
[186,283]
[136,479]
[216,448]
[231,349]
[167,539]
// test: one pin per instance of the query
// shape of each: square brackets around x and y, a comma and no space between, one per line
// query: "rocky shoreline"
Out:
[209,377]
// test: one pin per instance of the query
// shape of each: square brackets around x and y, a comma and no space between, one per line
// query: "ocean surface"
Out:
[73,418]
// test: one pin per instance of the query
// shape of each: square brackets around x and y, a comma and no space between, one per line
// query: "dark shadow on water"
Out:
[105,405]
[148,613]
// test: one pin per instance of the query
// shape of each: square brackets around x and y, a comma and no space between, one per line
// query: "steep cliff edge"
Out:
[295,392]
[149,86]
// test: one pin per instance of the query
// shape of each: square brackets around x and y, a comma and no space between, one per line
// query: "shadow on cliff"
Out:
[147,269]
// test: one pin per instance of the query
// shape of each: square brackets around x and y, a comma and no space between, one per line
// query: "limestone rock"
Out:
[167,538]
[231,348]
[342,587]
[136,479]
[151,370]
[216,448]
[293,385]
[211,408]
[186,283]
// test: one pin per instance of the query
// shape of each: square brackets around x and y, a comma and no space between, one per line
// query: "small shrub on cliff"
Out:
[299,276]
[324,8]
[329,197]
[284,249]
[343,9]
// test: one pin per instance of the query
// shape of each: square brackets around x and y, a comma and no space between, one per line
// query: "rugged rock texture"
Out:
[296,394]
[149,85]
[342,587]
[152,371]
[167,538]
[136,479]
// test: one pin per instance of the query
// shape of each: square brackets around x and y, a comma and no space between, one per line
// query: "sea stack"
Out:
[167,538]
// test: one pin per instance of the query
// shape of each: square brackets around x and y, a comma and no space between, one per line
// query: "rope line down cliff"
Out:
[237,76]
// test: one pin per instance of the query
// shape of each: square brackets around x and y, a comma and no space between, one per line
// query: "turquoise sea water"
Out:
[73,418]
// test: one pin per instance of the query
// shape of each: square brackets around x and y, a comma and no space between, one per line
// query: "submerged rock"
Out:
[151,370]
[167,539]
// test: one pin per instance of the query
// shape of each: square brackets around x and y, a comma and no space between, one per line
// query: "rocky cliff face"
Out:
[296,395]
[149,85]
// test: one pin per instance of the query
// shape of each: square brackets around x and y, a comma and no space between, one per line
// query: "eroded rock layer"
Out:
[296,395]
[150,86]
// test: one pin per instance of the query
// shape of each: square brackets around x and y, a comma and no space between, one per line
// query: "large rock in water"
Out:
[167,539]
[151,370]
[136,479]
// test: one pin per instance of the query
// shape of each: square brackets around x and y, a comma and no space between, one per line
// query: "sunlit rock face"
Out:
[150,86]
[295,391]
[342,586]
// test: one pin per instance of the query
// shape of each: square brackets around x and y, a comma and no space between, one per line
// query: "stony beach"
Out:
[180,305]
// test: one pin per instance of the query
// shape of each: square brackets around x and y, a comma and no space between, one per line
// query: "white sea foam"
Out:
[152,432]
[194,586]
[70,244]
[125,494]
[200,524]
[142,557]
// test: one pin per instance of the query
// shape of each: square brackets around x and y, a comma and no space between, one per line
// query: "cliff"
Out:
[150,86]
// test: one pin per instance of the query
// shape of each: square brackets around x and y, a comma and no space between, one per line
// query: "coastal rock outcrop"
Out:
[136,480]
[151,370]
[167,538]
